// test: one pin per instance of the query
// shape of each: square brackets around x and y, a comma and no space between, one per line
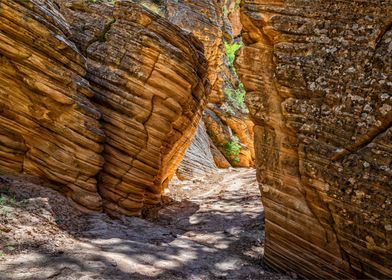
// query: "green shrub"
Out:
[7,200]
[232,150]
[225,11]
[236,97]
[231,49]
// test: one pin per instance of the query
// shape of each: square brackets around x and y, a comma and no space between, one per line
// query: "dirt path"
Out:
[211,230]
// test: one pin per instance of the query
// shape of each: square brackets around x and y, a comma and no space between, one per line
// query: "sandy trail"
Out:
[208,229]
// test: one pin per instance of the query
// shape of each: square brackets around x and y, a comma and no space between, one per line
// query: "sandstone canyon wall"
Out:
[207,21]
[318,76]
[204,20]
[198,161]
[102,99]
[48,125]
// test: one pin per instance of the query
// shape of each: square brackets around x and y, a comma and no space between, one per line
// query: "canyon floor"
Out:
[207,229]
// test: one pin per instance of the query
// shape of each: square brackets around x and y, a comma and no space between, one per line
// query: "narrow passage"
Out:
[208,229]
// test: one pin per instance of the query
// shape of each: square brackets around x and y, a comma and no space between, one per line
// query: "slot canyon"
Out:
[195,139]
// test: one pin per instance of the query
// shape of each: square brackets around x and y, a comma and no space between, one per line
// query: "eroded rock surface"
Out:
[48,125]
[198,161]
[237,126]
[125,114]
[208,21]
[151,90]
[204,19]
[318,75]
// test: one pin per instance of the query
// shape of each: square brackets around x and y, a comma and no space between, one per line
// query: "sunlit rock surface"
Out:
[208,21]
[151,89]
[204,19]
[318,75]
[122,116]
[48,125]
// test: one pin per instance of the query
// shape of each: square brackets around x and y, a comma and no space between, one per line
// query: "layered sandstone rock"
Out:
[224,128]
[150,83]
[219,159]
[48,125]
[234,17]
[318,75]
[203,18]
[198,161]
[145,80]
[208,22]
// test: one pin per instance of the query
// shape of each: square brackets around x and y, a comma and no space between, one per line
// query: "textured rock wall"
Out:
[151,89]
[234,17]
[198,161]
[204,19]
[124,115]
[318,75]
[48,126]
[222,127]
[207,21]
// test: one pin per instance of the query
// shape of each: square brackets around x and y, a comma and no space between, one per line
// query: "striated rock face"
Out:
[198,161]
[151,89]
[124,115]
[219,159]
[203,18]
[242,127]
[208,22]
[48,125]
[234,17]
[318,75]
[222,127]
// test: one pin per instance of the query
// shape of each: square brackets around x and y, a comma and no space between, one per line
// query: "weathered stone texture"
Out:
[242,127]
[198,161]
[145,81]
[318,75]
[234,17]
[150,84]
[203,18]
[48,126]
[222,127]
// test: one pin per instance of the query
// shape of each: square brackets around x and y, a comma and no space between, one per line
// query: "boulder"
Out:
[150,83]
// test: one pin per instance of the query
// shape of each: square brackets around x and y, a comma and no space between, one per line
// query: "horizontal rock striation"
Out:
[204,19]
[198,161]
[150,84]
[48,125]
[101,98]
[207,21]
[318,76]
[223,128]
